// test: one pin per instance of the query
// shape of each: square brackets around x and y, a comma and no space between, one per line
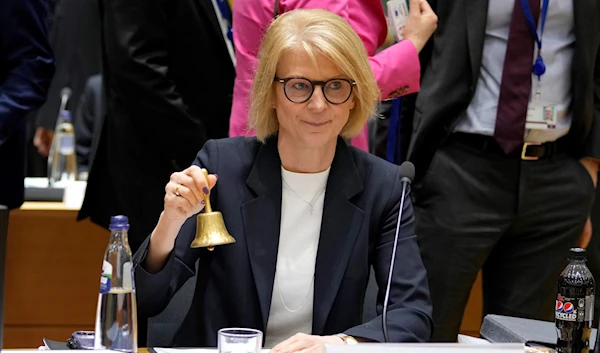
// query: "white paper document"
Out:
[390,347]
[426,348]
[192,350]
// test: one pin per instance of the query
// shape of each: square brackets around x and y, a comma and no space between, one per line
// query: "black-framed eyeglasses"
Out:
[299,90]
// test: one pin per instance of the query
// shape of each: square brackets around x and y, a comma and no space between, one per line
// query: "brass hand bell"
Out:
[210,227]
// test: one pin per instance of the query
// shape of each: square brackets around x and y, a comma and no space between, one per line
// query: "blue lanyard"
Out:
[539,68]
[224,8]
[392,150]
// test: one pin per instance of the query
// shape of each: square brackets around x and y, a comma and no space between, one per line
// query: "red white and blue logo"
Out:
[565,310]
[568,307]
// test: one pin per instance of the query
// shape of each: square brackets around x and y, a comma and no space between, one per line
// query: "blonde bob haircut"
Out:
[318,32]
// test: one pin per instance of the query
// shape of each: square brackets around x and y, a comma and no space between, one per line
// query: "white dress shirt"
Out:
[558,43]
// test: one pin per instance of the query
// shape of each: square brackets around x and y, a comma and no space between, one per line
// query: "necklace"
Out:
[303,301]
[310,204]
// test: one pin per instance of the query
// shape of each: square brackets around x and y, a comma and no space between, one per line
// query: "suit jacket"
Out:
[26,68]
[235,282]
[396,69]
[452,71]
[168,78]
[87,122]
[75,39]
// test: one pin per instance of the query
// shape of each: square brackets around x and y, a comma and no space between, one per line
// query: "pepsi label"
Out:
[571,309]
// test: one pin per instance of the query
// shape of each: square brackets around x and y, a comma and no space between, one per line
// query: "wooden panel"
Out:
[52,273]
[46,206]
[472,316]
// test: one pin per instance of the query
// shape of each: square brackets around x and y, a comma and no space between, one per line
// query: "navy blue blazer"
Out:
[235,282]
[26,69]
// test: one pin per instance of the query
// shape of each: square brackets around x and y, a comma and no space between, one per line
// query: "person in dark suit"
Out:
[87,122]
[75,40]
[501,186]
[310,214]
[168,79]
[26,68]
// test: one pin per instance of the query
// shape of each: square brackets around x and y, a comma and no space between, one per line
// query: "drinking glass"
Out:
[240,340]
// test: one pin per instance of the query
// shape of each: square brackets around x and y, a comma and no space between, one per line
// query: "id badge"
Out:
[542,116]
[397,13]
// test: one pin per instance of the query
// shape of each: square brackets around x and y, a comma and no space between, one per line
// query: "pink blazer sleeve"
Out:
[397,70]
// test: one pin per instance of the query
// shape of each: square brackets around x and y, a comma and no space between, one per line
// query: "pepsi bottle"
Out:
[574,311]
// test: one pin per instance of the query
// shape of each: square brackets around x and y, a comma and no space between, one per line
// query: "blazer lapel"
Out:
[476,15]
[340,227]
[262,217]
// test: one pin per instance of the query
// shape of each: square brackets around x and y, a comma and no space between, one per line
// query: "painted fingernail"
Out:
[205,190]
[216,176]
[202,202]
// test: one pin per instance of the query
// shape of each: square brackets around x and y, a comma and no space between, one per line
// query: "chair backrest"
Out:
[163,327]
[3,236]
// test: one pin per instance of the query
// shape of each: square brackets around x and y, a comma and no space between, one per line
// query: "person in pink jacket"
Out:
[397,69]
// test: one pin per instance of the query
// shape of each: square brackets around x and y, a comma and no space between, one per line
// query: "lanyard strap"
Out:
[531,22]
[539,68]
[392,150]
[226,14]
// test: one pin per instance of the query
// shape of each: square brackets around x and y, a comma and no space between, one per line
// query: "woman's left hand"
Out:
[303,343]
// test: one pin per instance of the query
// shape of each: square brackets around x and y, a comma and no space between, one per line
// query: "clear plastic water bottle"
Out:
[116,318]
[62,161]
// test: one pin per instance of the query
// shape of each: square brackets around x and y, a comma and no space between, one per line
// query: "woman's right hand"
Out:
[184,194]
[420,24]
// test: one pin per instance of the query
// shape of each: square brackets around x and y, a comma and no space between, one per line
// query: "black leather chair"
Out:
[162,327]
[3,236]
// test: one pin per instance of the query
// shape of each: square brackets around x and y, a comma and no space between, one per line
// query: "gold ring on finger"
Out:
[177,191]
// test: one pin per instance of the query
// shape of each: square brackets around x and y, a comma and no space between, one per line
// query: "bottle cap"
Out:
[577,254]
[119,223]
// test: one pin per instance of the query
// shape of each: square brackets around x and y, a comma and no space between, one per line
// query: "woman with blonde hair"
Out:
[396,69]
[310,214]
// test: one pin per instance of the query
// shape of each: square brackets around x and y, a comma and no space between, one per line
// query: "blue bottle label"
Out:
[106,277]
[67,145]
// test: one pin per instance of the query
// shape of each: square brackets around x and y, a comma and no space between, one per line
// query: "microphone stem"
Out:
[389,282]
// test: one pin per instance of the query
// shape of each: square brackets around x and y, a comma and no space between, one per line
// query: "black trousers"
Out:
[478,209]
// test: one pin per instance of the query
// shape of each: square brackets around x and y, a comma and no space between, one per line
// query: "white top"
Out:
[301,213]
[558,42]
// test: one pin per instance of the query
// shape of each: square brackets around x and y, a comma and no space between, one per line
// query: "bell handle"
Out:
[207,208]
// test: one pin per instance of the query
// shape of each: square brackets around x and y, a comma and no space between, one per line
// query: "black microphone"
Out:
[407,174]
